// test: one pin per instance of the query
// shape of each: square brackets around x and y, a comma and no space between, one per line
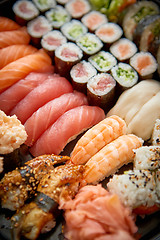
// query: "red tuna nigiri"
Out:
[19,36]
[14,52]
[6,24]
[10,97]
[37,123]
[50,89]
[66,128]
[20,68]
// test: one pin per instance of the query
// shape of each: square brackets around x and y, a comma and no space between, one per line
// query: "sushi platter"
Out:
[67,69]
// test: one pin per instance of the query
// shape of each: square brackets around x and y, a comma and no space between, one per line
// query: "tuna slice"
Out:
[10,97]
[66,128]
[38,124]
[52,88]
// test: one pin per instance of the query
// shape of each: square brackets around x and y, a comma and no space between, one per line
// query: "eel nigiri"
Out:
[97,137]
[50,89]
[14,52]
[7,24]
[66,128]
[52,110]
[38,61]
[15,93]
[111,157]
[19,36]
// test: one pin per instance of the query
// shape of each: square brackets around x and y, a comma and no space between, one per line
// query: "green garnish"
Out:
[143,12]
[75,31]
[58,17]
[42,2]
[101,61]
[127,74]
[88,43]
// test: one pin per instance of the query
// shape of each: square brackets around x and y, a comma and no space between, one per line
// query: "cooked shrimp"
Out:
[111,157]
[20,184]
[97,137]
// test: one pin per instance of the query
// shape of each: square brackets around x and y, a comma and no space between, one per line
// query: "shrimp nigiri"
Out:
[97,137]
[111,157]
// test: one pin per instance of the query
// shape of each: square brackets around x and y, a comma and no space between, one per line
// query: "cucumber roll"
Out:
[24,11]
[57,16]
[103,61]
[89,43]
[93,20]
[123,49]
[73,30]
[67,55]
[135,14]
[44,5]
[80,74]
[101,91]
[125,76]
[78,8]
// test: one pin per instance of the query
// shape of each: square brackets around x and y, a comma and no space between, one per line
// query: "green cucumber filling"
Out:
[126,74]
[101,61]
[58,17]
[87,43]
[43,2]
[75,31]
[156,29]
[143,12]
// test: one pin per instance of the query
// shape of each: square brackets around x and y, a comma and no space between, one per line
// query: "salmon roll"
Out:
[125,76]
[57,16]
[123,49]
[37,28]
[44,5]
[101,90]
[24,11]
[78,8]
[89,43]
[73,30]
[144,63]
[51,40]
[103,61]
[93,20]
[109,33]
[135,14]
[80,74]
[67,55]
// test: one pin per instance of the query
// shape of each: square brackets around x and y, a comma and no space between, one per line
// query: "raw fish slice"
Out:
[14,52]
[10,97]
[111,157]
[50,89]
[19,36]
[66,128]
[97,137]
[37,124]
[6,24]
[20,68]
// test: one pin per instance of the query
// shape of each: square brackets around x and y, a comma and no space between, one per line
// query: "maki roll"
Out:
[51,40]
[135,14]
[89,43]
[123,49]
[78,8]
[93,20]
[37,28]
[67,55]
[44,5]
[144,63]
[24,11]
[73,30]
[109,32]
[80,74]
[101,90]
[57,16]
[125,76]
[103,61]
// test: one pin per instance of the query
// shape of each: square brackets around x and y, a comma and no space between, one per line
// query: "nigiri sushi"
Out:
[50,89]
[37,124]
[66,128]
[7,24]
[97,137]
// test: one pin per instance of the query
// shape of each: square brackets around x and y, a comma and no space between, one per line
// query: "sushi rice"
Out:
[156,133]
[44,5]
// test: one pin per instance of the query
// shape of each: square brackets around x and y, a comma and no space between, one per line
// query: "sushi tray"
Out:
[67,69]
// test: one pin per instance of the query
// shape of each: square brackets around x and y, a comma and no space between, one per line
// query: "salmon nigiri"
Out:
[52,110]
[7,24]
[97,137]
[66,128]
[111,157]
[20,68]
[14,52]
[19,36]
